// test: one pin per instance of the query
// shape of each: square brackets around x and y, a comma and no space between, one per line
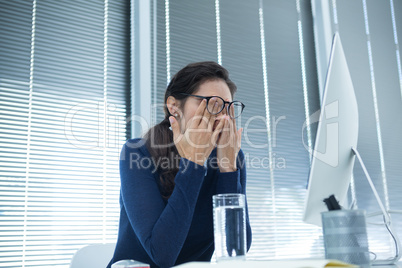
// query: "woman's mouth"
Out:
[216,123]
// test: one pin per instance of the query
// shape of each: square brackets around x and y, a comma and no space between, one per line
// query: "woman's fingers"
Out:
[214,105]
[234,127]
[175,129]
[213,108]
[217,131]
[239,132]
[201,134]
[225,135]
[206,118]
[233,119]
[199,113]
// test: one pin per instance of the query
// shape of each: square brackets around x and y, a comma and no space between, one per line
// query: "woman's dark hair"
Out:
[159,139]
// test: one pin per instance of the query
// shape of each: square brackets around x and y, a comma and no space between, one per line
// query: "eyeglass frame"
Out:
[224,104]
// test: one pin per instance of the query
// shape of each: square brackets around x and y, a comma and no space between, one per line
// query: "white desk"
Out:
[302,263]
[296,263]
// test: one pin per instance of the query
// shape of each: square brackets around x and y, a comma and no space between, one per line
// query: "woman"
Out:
[168,178]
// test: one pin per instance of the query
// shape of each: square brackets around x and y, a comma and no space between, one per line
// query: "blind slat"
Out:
[52,153]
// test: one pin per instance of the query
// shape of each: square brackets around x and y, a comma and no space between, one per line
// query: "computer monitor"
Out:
[337,132]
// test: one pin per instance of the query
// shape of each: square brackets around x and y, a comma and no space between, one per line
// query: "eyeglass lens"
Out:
[235,109]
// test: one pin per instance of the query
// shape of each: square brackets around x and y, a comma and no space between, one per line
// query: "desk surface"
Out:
[296,263]
[302,263]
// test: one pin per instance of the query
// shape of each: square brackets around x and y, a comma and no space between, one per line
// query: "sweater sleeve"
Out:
[235,182]
[161,229]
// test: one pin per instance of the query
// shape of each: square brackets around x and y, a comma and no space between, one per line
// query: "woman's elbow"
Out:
[163,257]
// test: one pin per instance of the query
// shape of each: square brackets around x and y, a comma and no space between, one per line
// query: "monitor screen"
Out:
[337,132]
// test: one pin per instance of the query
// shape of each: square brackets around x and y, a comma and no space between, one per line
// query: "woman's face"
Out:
[209,88]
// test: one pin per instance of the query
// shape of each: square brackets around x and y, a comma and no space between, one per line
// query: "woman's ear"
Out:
[173,106]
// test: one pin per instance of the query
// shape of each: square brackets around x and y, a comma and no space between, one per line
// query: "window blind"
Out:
[268,48]
[64,79]
[371,36]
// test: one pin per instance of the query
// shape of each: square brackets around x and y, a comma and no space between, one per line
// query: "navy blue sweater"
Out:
[164,233]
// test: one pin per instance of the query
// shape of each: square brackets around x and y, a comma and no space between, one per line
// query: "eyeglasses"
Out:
[216,104]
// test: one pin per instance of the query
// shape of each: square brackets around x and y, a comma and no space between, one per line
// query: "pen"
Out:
[332,203]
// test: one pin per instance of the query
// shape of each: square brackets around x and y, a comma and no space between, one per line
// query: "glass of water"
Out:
[230,226]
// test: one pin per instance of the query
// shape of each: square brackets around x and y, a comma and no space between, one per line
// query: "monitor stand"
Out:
[386,217]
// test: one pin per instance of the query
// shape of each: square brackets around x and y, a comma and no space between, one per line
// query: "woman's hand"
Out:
[228,145]
[199,139]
